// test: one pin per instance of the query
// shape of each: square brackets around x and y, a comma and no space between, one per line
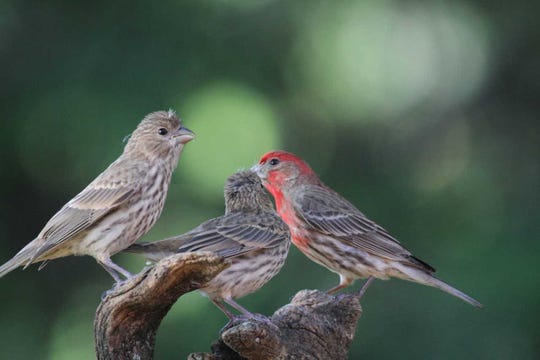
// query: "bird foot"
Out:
[364,287]
[114,288]
[106,293]
[238,319]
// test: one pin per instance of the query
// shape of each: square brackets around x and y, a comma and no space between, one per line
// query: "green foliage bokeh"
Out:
[423,114]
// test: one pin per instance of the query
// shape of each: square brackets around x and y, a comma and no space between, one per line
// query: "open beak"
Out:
[184,135]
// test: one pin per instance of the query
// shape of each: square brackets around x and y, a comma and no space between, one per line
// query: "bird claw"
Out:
[261,318]
[106,293]
[112,290]
[231,323]
[239,319]
[364,287]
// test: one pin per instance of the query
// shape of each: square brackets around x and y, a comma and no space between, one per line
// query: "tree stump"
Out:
[314,325]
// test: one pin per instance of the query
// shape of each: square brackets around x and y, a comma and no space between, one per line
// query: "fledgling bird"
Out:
[120,205]
[332,232]
[250,234]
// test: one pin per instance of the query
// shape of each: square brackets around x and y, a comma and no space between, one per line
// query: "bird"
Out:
[250,235]
[119,206]
[333,233]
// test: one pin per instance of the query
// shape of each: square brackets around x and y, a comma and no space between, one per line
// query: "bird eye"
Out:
[163,131]
[273,162]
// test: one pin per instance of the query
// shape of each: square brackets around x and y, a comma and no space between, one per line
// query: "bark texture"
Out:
[129,315]
[314,325]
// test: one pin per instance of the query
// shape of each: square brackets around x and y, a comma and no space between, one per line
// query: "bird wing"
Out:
[106,193]
[329,213]
[235,234]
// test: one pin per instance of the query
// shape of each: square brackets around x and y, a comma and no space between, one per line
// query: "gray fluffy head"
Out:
[245,192]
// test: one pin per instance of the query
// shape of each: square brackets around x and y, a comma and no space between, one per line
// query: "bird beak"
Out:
[184,135]
[257,169]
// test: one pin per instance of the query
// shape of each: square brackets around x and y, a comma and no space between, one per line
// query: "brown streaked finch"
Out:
[332,232]
[119,206]
[250,234]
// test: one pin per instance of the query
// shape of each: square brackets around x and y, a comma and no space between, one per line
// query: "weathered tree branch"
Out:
[314,325]
[128,317]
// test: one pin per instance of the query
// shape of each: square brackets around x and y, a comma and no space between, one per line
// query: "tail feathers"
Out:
[426,278]
[151,251]
[439,284]
[137,248]
[157,250]
[421,264]
[23,258]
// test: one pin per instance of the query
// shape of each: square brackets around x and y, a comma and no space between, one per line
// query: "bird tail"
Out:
[151,251]
[23,257]
[427,278]
[157,250]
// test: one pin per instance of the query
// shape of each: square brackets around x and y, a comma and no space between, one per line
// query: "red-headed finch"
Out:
[120,205]
[250,234]
[331,231]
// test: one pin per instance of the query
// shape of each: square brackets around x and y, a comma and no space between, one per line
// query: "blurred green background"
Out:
[423,114]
